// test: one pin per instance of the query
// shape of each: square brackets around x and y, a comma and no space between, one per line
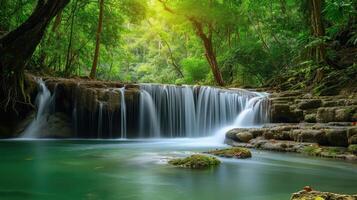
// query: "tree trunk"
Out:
[173,62]
[17,47]
[69,55]
[209,51]
[318,31]
[97,45]
[207,42]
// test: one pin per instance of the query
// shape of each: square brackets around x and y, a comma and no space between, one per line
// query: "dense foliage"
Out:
[169,41]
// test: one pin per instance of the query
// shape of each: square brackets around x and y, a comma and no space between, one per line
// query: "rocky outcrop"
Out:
[332,140]
[320,133]
[317,195]
[83,100]
[296,106]
[10,119]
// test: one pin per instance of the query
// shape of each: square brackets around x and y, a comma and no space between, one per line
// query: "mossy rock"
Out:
[353,148]
[195,162]
[311,118]
[317,195]
[235,152]
[329,152]
[312,150]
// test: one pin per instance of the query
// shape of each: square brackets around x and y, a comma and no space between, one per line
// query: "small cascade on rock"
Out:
[122,113]
[75,109]
[148,120]
[43,100]
[100,119]
[189,112]
[255,112]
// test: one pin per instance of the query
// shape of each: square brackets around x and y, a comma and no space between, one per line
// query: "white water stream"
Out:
[43,106]
[169,111]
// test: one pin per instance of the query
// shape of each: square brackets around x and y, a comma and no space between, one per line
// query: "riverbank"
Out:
[322,126]
[320,140]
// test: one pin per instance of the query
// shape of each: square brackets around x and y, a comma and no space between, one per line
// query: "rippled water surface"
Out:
[137,169]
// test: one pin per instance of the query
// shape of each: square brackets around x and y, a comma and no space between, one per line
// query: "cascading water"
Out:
[43,100]
[100,119]
[188,111]
[166,111]
[254,114]
[148,119]
[122,113]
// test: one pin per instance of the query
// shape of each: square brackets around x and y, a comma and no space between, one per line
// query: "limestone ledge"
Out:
[299,106]
[332,140]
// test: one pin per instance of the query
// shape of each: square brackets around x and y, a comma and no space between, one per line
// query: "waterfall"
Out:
[168,111]
[196,111]
[43,100]
[100,119]
[148,119]
[122,113]
[254,112]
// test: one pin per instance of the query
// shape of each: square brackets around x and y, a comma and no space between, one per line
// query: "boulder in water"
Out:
[234,152]
[244,136]
[317,195]
[196,161]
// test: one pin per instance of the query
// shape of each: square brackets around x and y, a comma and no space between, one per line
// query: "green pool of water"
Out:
[134,169]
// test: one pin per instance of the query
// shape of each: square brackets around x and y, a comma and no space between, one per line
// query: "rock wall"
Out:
[296,106]
[75,107]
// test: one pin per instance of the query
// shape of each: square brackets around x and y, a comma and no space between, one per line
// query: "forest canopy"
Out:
[213,42]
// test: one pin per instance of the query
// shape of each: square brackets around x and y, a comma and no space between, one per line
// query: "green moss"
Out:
[331,152]
[195,162]
[353,148]
[236,152]
[312,150]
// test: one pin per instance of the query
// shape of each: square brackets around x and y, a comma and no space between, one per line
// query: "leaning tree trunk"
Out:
[209,51]
[318,53]
[17,47]
[97,45]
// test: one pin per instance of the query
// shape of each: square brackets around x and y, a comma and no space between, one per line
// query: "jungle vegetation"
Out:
[289,44]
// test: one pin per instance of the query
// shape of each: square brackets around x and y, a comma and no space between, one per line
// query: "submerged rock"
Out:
[235,152]
[317,195]
[196,161]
